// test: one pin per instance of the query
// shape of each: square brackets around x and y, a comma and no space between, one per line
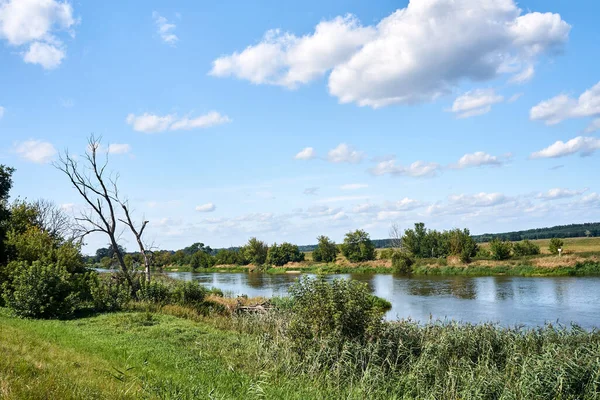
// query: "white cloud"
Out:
[365,208]
[478,159]
[561,107]
[514,97]
[417,169]
[524,76]
[208,207]
[1,112]
[406,204]
[593,126]
[413,55]
[36,23]
[478,200]
[119,148]
[344,153]
[307,153]
[354,186]
[559,193]
[311,191]
[287,60]
[583,145]
[165,29]
[36,151]
[151,123]
[475,102]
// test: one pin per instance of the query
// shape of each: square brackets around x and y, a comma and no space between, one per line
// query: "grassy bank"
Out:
[141,354]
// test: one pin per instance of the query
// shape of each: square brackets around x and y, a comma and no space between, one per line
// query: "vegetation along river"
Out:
[505,300]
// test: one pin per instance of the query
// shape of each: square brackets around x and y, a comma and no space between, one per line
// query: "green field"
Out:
[574,245]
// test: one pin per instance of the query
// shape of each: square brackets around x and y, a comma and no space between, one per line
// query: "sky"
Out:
[288,120]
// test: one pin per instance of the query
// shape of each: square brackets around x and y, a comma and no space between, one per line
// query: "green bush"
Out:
[230,257]
[153,292]
[255,251]
[526,248]
[188,293]
[326,250]
[109,293]
[340,310]
[482,252]
[555,244]
[282,254]
[461,243]
[500,249]
[358,246]
[200,260]
[402,262]
[41,291]
[386,254]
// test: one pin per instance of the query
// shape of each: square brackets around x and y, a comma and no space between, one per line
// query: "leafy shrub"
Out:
[216,292]
[526,248]
[201,260]
[358,246]
[255,251]
[341,310]
[153,292]
[386,254]
[402,262]
[41,291]
[500,249]
[282,254]
[482,252]
[555,244]
[462,244]
[230,257]
[109,293]
[188,293]
[326,250]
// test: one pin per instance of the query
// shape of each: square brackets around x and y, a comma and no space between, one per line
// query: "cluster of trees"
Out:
[505,249]
[421,242]
[559,231]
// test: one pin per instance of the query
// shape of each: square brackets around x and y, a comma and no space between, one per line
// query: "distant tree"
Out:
[284,253]
[200,259]
[462,244]
[230,257]
[555,244]
[588,233]
[256,251]
[500,249]
[395,237]
[326,250]
[414,241]
[358,246]
[180,258]
[196,247]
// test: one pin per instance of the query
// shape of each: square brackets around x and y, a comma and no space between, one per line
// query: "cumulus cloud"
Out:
[354,186]
[593,126]
[165,29]
[416,54]
[524,76]
[288,60]
[208,207]
[479,159]
[36,151]
[478,200]
[345,154]
[475,102]
[307,153]
[152,123]
[561,107]
[559,193]
[418,169]
[582,145]
[33,25]
[119,148]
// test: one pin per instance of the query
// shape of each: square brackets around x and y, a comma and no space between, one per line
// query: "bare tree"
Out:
[396,236]
[101,194]
[54,220]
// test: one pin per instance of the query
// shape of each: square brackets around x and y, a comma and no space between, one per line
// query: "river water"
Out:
[508,301]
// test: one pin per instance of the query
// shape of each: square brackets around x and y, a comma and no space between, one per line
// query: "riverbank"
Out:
[155,354]
[569,265]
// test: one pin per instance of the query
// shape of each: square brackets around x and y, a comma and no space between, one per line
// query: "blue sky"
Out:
[286,121]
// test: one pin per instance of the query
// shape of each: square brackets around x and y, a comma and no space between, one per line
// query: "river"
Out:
[506,300]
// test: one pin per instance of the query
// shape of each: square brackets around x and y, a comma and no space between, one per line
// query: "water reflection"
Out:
[502,299]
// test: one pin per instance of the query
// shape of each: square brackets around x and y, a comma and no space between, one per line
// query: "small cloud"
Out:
[165,29]
[478,159]
[1,112]
[583,145]
[561,107]
[36,151]
[418,169]
[119,148]
[524,76]
[354,186]
[308,153]
[475,102]
[515,97]
[345,154]
[311,191]
[593,126]
[151,123]
[208,207]
[559,193]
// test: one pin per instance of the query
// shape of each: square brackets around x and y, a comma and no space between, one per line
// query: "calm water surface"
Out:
[506,300]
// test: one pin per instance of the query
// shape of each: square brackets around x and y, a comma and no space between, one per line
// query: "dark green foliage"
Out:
[108,292]
[200,259]
[482,252]
[339,310]
[525,248]
[563,231]
[255,251]
[426,243]
[402,263]
[358,247]
[555,244]
[5,186]
[461,244]
[415,241]
[500,250]
[386,254]
[230,257]
[284,253]
[41,291]
[326,250]
[154,292]
[188,293]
